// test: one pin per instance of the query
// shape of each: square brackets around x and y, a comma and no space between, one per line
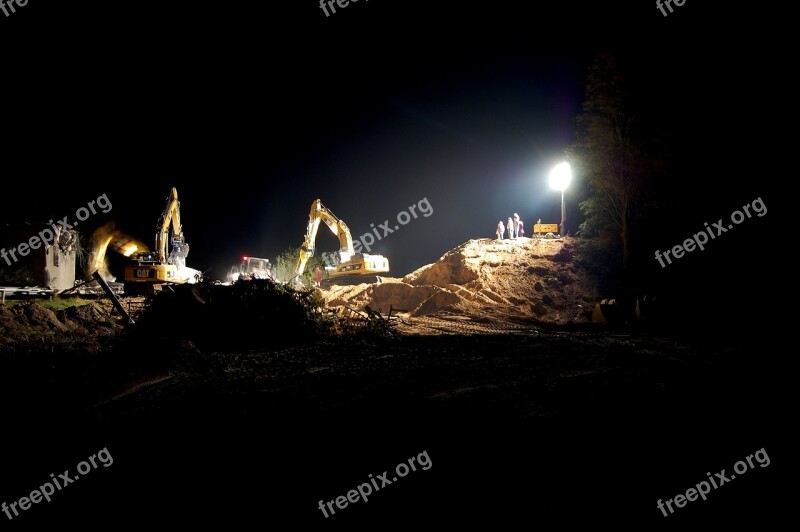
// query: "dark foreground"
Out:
[533,431]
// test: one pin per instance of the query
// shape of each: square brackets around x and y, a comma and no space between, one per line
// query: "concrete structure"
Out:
[52,264]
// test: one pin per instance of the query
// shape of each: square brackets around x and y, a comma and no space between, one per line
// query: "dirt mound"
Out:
[247,314]
[38,316]
[487,278]
[8,320]
[30,327]
[399,296]
[452,268]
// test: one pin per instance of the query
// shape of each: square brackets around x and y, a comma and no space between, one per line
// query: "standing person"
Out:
[501,229]
[510,228]
[520,229]
[516,224]
[318,276]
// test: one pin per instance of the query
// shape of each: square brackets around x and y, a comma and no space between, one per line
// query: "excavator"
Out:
[351,267]
[153,269]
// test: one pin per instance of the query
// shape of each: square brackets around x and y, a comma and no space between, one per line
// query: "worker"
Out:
[501,230]
[520,228]
[510,228]
[318,276]
[516,224]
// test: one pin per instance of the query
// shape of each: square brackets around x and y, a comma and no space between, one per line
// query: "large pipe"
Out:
[112,296]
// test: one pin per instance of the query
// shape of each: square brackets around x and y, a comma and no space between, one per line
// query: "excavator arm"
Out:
[171,216]
[319,213]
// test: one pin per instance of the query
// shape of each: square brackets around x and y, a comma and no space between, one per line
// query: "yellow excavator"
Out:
[152,269]
[351,267]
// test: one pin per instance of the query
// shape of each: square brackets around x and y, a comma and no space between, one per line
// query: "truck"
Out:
[251,268]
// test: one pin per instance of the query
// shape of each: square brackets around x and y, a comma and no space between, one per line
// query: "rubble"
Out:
[247,314]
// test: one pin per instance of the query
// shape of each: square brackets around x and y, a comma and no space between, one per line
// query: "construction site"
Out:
[418,266]
[510,335]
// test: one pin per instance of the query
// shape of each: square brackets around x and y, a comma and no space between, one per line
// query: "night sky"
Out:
[254,112]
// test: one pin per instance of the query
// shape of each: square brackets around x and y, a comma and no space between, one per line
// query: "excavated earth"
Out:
[485,280]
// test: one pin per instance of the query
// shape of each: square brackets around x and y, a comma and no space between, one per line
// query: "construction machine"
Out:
[152,269]
[541,230]
[350,267]
[251,268]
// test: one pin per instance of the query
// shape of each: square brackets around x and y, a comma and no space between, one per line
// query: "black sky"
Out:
[252,112]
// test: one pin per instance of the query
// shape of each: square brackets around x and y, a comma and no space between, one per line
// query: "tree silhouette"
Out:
[608,154]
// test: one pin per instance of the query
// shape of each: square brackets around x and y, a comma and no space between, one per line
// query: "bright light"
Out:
[244,258]
[560,176]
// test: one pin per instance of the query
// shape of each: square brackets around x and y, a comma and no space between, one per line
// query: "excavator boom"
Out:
[170,216]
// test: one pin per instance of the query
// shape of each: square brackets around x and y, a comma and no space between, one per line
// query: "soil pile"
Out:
[31,327]
[247,314]
[486,278]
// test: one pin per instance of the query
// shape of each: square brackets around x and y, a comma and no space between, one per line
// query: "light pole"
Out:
[560,176]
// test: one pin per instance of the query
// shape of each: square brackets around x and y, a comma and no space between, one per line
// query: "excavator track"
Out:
[351,280]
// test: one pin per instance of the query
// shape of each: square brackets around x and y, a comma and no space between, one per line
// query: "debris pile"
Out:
[244,315]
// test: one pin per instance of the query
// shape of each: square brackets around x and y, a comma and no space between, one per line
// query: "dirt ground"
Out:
[569,425]
[529,418]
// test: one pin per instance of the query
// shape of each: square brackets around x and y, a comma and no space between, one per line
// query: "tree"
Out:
[608,153]
[286,264]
